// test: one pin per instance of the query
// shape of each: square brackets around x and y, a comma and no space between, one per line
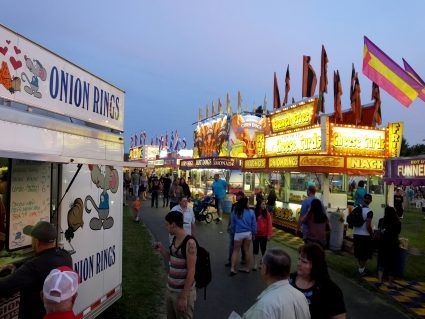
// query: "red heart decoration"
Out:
[8,41]
[3,50]
[16,64]
[17,51]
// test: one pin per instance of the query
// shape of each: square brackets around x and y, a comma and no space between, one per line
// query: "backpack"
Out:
[203,272]
[355,219]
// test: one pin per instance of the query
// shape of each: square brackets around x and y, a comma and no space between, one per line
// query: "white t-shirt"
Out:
[362,230]
[188,218]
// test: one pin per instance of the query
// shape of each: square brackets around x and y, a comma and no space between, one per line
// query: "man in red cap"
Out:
[59,293]
[29,278]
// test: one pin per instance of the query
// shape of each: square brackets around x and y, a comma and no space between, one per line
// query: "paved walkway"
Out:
[238,293]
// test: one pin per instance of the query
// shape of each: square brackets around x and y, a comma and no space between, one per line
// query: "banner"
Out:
[211,138]
[395,134]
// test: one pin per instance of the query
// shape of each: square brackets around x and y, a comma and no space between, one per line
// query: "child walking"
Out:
[136,210]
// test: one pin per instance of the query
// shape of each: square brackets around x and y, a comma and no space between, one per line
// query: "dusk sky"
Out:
[172,57]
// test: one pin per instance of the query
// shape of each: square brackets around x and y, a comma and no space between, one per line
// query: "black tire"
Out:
[208,217]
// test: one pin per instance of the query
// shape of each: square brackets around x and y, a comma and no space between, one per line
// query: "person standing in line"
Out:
[219,189]
[181,291]
[324,297]
[156,188]
[362,236]
[244,227]
[59,293]
[29,278]
[271,200]
[279,300]
[305,207]
[359,194]
[399,202]
[389,228]
[239,196]
[188,216]
[317,223]
[176,192]
[135,181]
[186,188]
[264,232]
[166,184]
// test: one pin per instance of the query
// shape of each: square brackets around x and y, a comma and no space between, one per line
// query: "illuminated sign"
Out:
[346,140]
[406,168]
[395,133]
[260,142]
[293,117]
[365,163]
[282,162]
[212,162]
[211,138]
[255,163]
[326,161]
[306,141]
[136,153]
[151,151]
[159,162]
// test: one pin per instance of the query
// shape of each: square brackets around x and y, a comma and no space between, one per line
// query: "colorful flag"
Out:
[219,107]
[276,95]
[141,138]
[388,75]
[377,105]
[337,96]
[184,144]
[131,141]
[323,86]
[353,81]
[171,142]
[176,141]
[239,102]
[135,140]
[212,109]
[228,106]
[161,142]
[417,78]
[309,78]
[166,139]
[287,86]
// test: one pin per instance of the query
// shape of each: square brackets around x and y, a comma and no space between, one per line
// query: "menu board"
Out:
[29,199]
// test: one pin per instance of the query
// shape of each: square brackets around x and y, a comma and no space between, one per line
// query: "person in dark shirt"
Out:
[156,188]
[399,203]
[186,189]
[29,278]
[324,297]
[166,183]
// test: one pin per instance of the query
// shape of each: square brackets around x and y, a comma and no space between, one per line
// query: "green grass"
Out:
[143,279]
[413,228]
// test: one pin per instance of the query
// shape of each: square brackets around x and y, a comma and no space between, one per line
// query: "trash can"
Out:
[401,262]
[337,231]
[227,206]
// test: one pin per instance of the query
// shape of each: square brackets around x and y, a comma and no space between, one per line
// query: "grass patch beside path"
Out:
[143,276]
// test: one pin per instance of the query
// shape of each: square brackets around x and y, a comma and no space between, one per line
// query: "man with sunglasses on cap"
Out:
[29,278]
[59,293]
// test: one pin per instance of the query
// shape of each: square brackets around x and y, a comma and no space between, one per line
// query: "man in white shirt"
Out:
[188,216]
[362,236]
[279,300]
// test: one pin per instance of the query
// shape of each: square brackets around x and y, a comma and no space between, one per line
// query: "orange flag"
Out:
[220,107]
[309,78]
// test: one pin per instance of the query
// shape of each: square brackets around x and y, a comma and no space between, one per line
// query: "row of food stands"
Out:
[291,148]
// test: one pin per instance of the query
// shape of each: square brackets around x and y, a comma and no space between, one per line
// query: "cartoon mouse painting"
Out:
[38,71]
[108,180]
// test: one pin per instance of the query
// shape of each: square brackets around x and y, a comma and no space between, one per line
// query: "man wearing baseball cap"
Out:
[59,293]
[29,278]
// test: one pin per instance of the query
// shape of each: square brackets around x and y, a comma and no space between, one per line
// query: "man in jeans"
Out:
[219,188]
[181,290]
[156,187]
[362,236]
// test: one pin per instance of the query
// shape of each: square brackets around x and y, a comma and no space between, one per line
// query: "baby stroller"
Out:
[200,209]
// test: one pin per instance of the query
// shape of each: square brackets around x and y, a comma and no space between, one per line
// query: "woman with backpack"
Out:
[317,224]
[389,228]
[244,227]
[264,231]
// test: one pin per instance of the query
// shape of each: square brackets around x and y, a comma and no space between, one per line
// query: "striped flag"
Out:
[176,141]
[388,75]
[309,78]
[276,95]
[377,105]
[323,86]
[228,106]
[337,96]
[417,78]
[287,86]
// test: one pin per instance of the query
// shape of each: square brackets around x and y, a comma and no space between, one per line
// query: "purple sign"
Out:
[406,171]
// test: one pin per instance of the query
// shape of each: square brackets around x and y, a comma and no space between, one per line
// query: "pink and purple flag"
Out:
[388,75]
[417,78]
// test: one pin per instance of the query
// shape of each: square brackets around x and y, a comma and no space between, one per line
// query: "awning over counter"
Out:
[405,171]
[211,162]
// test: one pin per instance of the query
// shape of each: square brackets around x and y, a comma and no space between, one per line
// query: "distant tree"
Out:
[414,150]
[405,148]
